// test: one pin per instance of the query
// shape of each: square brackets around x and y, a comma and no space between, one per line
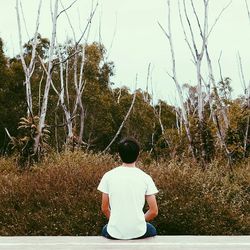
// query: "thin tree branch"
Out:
[123,122]
[197,18]
[242,75]
[67,58]
[24,21]
[174,77]
[88,23]
[190,29]
[248,12]
[221,77]
[185,34]
[64,10]
[69,21]
[218,17]
[164,31]
[11,137]
[46,71]
[113,37]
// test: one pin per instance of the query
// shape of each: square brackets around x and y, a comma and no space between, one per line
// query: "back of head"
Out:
[128,149]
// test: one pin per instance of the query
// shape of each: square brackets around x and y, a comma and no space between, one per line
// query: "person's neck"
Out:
[129,165]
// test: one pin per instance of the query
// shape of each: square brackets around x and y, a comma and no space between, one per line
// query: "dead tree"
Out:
[28,68]
[43,111]
[220,132]
[246,88]
[168,34]
[198,55]
[78,81]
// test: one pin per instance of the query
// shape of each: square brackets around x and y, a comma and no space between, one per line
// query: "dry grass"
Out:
[59,197]
[210,202]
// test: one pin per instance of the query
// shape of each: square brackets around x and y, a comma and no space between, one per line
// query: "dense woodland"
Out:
[93,121]
[57,97]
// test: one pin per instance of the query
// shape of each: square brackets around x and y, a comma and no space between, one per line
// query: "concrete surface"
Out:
[100,243]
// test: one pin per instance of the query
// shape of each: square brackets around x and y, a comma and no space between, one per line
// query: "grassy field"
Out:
[59,196]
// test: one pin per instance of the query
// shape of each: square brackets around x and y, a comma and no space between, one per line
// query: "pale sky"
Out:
[138,40]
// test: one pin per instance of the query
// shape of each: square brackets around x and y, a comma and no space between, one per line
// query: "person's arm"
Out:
[153,208]
[105,205]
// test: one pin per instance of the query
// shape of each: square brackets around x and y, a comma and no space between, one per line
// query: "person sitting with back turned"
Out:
[124,191]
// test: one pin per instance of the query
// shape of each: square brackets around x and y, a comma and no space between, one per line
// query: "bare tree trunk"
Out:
[146,95]
[48,81]
[223,108]
[197,56]
[177,120]
[78,82]
[65,109]
[28,70]
[247,97]
[248,119]
[39,93]
[220,135]
[174,77]
[158,115]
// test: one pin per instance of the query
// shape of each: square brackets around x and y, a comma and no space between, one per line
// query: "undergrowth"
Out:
[59,196]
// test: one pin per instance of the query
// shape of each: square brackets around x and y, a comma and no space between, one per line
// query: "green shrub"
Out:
[59,197]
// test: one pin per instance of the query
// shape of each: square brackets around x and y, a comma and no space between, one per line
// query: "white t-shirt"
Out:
[127,187]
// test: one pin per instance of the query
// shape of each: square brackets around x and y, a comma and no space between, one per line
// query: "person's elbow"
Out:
[105,209]
[153,207]
[154,212]
[105,205]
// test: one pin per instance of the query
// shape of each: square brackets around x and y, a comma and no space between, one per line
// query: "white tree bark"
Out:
[65,109]
[197,56]
[196,53]
[216,96]
[247,98]
[158,115]
[48,80]
[220,134]
[28,69]
[174,77]
[248,119]
[79,83]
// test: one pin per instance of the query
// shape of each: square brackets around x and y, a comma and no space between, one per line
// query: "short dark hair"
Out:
[128,149]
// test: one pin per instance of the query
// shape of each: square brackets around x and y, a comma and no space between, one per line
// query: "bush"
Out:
[59,197]
[197,202]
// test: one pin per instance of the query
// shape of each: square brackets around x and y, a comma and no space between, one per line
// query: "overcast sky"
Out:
[138,40]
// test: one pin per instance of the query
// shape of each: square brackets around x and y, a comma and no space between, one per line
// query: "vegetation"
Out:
[60,197]
[61,118]
[88,116]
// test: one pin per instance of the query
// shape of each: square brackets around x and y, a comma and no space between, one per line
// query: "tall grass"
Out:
[59,196]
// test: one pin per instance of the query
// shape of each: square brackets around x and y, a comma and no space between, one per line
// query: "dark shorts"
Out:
[151,231]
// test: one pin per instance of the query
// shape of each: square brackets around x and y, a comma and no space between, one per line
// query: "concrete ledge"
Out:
[100,243]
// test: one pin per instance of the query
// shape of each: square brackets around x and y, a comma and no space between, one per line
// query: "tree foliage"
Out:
[158,126]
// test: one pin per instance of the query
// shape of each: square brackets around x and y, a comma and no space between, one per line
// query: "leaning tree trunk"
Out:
[122,124]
